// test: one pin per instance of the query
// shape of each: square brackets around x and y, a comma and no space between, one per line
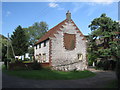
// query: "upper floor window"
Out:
[44,43]
[39,45]
[36,46]
[44,57]
[69,41]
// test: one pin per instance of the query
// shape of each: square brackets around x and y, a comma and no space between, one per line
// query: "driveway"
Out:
[99,81]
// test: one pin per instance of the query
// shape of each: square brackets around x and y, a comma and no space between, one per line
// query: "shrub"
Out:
[99,64]
[112,65]
[26,59]
[13,60]
[90,63]
[106,65]
[19,61]
[17,65]
[9,59]
[36,66]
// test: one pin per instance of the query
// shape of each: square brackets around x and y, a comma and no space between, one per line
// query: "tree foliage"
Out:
[19,41]
[104,40]
[36,31]
[103,36]
[3,47]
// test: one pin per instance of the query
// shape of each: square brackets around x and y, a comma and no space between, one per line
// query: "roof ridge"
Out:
[54,30]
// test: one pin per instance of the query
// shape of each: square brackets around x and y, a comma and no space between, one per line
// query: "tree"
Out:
[19,41]
[107,32]
[36,31]
[104,30]
[115,49]
[92,53]
[3,47]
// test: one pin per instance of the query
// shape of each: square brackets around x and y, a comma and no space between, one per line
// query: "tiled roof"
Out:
[54,30]
[51,32]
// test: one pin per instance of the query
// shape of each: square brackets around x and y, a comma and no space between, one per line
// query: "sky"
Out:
[27,13]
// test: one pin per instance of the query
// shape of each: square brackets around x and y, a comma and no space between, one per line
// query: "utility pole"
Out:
[6,60]
[12,50]
[7,46]
[9,42]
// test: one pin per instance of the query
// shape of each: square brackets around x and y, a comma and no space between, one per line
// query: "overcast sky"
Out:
[27,13]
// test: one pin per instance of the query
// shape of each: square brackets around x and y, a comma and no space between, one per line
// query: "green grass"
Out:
[46,74]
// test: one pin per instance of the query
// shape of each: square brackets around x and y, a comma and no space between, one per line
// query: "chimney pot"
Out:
[68,15]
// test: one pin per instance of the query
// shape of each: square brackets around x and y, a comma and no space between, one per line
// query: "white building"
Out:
[63,47]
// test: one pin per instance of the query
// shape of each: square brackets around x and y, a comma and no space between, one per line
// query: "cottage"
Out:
[63,47]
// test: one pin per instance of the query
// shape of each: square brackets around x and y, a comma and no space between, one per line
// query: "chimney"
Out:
[68,15]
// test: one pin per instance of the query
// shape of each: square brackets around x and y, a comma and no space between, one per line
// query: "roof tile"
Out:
[54,30]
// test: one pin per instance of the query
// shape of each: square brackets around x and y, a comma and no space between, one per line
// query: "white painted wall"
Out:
[42,50]
[61,56]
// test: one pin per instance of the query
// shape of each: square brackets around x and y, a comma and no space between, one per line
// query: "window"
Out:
[44,57]
[69,41]
[39,58]
[36,46]
[44,43]
[80,56]
[39,45]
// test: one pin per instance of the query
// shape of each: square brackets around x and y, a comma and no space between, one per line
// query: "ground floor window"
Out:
[36,56]
[44,57]
[80,56]
[41,57]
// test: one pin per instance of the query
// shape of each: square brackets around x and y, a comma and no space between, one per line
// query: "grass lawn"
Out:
[46,74]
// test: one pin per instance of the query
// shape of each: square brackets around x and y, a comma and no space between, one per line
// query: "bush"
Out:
[17,65]
[36,66]
[20,65]
[106,65]
[8,59]
[13,60]
[99,64]
[90,63]
[19,61]
[26,59]
[112,65]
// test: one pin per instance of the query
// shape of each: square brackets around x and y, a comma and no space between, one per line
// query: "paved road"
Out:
[99,81]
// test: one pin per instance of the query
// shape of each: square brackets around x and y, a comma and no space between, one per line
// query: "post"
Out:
[7,45]
[6,60]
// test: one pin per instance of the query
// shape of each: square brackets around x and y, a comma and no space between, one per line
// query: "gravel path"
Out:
[99,81]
